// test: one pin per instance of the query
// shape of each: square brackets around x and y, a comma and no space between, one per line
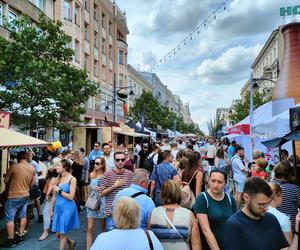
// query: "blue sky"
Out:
[211,69]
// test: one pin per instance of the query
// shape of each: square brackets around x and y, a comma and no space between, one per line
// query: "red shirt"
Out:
[259,174]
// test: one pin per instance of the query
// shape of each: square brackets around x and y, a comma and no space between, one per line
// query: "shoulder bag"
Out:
[149,240]
[175,229]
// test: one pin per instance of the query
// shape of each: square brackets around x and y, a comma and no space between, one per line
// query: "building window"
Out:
[86,5]
[67,10]
[110,28]
[95,68]
[86,62]
[103,21]
[77,14]
[1,13]
[77,51]
[96,12]
[110,52]
[103,47]
[121,57]
[40,4]
[95,39]
[86,32]
[120,81]
[12,17]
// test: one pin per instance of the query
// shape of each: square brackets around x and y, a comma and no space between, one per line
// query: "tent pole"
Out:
[280,153]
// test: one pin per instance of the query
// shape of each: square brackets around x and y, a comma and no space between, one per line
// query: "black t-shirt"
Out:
[243,232]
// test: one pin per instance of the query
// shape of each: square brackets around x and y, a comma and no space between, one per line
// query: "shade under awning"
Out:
[274,143]
[11,139]
[130,133]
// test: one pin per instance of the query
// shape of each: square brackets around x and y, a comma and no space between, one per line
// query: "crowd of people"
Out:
[196,193]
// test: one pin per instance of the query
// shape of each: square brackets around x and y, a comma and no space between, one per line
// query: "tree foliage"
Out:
[156,114]
[242,110]
[43,88]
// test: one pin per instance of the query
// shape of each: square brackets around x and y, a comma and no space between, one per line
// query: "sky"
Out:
[211,69]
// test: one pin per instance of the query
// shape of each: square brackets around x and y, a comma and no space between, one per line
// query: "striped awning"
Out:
[10,139]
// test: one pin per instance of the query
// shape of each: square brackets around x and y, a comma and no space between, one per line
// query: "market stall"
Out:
[10,139]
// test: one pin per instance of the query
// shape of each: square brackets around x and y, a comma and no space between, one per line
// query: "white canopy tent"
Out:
[276,127]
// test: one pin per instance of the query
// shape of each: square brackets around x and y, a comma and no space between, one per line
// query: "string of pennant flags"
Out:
[190,36]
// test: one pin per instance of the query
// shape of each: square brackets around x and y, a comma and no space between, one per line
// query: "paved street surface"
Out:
[35,230]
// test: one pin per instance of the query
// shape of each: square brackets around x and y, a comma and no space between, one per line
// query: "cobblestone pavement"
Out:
[35,230]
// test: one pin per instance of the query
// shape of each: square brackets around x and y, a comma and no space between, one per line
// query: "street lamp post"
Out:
[251,113]
[116,93]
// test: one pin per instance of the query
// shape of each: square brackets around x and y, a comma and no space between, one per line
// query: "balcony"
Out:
[110,40]
[103,33]
[103,60]
[86,16]
[96,53]
[110,65]
[87,47]
[122,45]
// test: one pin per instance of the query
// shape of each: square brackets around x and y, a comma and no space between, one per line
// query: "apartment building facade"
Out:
[98,29]
[266,66]
[137,84]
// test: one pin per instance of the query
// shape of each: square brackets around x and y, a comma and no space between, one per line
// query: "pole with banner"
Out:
[142,121]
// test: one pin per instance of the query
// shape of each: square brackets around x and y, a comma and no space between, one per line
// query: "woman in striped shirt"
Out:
[290,192]
[175,227]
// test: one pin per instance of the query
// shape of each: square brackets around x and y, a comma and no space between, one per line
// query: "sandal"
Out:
[43,236]
[72,246]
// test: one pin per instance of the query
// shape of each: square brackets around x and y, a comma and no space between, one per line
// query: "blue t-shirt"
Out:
[146,204]
[161,173]
[230,152]
[243,232]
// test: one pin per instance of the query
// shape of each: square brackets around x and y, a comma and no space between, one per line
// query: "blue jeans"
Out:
[15,206]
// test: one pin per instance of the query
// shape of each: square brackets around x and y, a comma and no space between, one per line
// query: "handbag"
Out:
[34,192]
[187,196]
[92,203]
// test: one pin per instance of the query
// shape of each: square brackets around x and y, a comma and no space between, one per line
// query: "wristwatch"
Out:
[59,191]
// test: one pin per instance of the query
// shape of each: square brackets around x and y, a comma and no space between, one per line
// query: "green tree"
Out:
[241,110]
[157,114]
[45,89]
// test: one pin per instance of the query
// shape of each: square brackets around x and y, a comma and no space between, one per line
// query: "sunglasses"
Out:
[98,163]
[96,146]
[118,160]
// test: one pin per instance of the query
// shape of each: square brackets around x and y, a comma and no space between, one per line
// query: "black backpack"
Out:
[149,164]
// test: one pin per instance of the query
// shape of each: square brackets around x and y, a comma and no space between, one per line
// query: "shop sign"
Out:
[289,11]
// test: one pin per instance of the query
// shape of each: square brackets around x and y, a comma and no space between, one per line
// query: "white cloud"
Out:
[231,66]
[210,71]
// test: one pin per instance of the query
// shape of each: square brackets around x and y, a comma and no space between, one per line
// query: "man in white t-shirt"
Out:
[239,170]
[211,153]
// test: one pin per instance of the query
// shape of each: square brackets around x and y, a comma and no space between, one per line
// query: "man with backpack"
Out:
[138,190]
[152,159]
[161,173]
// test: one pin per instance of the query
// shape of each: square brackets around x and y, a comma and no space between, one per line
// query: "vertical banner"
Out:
[174,125]
[142,121]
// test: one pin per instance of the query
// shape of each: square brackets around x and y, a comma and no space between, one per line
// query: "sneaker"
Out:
[20,240]
[11,243]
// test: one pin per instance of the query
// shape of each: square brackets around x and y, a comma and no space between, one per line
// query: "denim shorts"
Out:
[15,206]
[239,186]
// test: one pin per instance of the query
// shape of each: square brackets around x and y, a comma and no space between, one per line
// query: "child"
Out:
[260,168]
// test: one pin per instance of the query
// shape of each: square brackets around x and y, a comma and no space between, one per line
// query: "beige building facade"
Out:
[138,85]
[99,38]
[266,66]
